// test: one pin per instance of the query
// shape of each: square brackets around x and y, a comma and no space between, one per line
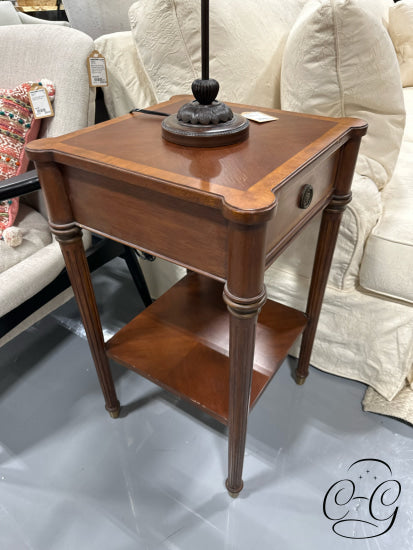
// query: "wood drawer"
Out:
[291,215]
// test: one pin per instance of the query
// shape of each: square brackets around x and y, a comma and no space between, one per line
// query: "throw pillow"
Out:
[339,61]
[401,33]
[17,127]
[246,43]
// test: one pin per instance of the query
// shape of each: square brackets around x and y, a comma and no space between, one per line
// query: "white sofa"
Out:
[329,57]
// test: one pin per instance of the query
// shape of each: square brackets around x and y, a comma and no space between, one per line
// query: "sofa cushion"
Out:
[339,61]
[35,232]
[401,33]
[98,17]
[387,265]
[246,44]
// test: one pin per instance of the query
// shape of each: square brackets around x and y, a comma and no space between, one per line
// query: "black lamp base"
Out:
[232,131]
[205,122]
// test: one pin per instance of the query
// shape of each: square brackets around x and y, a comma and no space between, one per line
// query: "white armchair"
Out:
[59,55]
[32,275]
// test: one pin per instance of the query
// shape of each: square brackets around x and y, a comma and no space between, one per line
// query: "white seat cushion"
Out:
[387,266]
[246,46]
[40,261]
[339,61]
[36,235]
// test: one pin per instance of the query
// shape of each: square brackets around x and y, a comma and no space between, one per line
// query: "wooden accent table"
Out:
[225,214]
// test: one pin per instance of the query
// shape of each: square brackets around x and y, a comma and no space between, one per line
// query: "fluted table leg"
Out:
[330,225]
[244,295]
[70,241]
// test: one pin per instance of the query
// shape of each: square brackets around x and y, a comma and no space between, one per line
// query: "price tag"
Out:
[96,66]
[40,101]
[257,116]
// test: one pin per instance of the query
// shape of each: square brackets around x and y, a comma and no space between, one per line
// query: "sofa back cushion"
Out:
[401,33]
[98,17]
[340,61]
[247,39]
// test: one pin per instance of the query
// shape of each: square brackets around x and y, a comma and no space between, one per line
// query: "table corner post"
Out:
[69,236]
[327,238]
[244,294]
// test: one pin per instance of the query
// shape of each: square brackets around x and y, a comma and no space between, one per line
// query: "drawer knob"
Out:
[306,196]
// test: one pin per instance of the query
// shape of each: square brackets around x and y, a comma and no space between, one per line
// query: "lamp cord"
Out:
[147,112]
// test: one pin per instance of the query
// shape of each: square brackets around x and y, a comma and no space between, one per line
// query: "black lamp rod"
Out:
[205,38]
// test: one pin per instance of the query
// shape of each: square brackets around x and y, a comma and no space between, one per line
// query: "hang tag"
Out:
[96,66]
[40,101]
[257,116]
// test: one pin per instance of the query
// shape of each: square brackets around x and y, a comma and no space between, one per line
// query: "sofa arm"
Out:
[128,84]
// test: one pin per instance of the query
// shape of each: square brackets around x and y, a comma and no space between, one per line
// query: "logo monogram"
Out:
[363,506]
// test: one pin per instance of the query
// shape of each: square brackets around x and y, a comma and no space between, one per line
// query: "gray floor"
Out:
[71,478]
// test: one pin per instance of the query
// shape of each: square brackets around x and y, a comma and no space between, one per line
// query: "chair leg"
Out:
[131,259]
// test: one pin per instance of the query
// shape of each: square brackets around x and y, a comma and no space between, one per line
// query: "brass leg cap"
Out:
[299,380]
[114,413]
[232,493]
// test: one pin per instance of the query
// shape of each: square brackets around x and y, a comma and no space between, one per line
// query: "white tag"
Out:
[257,116]
[40,102]
[96,65]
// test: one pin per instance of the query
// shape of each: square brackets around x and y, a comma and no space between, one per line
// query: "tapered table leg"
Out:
[70,241]
[244,295]
[69,236]
[327,237]
[330,225]
[243,322]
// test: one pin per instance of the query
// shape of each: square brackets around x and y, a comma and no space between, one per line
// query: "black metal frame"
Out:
[101,251]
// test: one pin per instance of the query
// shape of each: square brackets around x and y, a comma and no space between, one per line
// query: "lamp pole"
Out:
[205,38]
[205,122]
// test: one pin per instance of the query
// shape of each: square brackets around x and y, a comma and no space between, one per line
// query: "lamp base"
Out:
[218,134]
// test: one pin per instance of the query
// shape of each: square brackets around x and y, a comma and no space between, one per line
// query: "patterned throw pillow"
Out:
[17,127]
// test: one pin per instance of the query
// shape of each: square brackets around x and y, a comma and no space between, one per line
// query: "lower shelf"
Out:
[181,343]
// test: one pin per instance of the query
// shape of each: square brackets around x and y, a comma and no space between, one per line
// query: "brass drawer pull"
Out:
[306,196]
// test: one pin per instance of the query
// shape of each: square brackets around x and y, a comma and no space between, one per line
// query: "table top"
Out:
[243,175]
